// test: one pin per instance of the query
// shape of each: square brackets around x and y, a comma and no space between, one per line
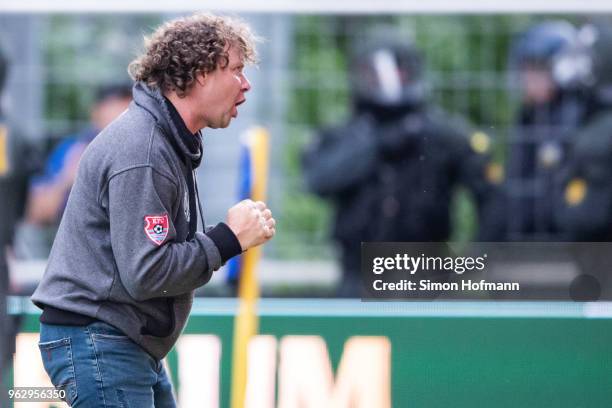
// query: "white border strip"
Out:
[356,308]
[309,6]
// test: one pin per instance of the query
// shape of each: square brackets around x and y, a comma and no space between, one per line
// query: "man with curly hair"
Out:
[127,257]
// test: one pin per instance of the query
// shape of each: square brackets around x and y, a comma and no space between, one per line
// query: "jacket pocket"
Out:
[57,361]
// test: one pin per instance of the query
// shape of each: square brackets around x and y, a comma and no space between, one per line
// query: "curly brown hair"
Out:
[180,49]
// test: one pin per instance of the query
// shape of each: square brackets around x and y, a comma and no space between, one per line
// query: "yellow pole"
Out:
[4,162]
[246,323]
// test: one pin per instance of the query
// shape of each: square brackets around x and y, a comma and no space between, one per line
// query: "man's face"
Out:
[537,84]
[221,91]
[109,109]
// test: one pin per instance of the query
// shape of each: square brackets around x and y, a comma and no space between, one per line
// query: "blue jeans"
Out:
[98,366]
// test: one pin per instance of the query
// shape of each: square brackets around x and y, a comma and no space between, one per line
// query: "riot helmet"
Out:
[386,73]
[546,60]
[596,41]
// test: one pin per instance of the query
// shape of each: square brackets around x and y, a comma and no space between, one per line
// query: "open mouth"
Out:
[235,110]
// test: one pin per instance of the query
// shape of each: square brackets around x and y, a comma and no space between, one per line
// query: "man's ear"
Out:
[201,78]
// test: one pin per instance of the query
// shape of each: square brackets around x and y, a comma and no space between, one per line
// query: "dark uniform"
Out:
[391,171]
[584,210]
[13,190]
[583,200]
[544,125]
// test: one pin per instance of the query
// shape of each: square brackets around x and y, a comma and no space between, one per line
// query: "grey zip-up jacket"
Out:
[124,252]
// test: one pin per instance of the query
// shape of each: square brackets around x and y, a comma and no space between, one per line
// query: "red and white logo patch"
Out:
[156,228]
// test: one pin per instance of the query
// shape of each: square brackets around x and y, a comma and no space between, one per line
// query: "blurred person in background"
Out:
[584,198]
[392,169]
[49,191]
[584,201]
[15,169]
[552,107]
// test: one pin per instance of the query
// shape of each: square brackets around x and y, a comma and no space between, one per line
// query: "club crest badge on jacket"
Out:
[156,228]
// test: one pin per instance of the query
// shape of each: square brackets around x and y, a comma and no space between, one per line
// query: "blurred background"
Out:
[386,123]
[61,66]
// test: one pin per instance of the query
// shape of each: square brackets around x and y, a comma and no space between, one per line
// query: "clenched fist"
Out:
[251,222]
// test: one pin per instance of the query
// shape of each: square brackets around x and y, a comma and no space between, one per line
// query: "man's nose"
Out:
[246,85]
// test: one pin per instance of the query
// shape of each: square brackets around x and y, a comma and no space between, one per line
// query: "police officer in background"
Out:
[13,188]
[552,107]
[391,170]
[584,201]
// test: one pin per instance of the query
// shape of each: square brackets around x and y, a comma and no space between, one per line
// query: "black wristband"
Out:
[225,240]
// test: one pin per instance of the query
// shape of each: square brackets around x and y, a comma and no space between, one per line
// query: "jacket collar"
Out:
[186,144]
